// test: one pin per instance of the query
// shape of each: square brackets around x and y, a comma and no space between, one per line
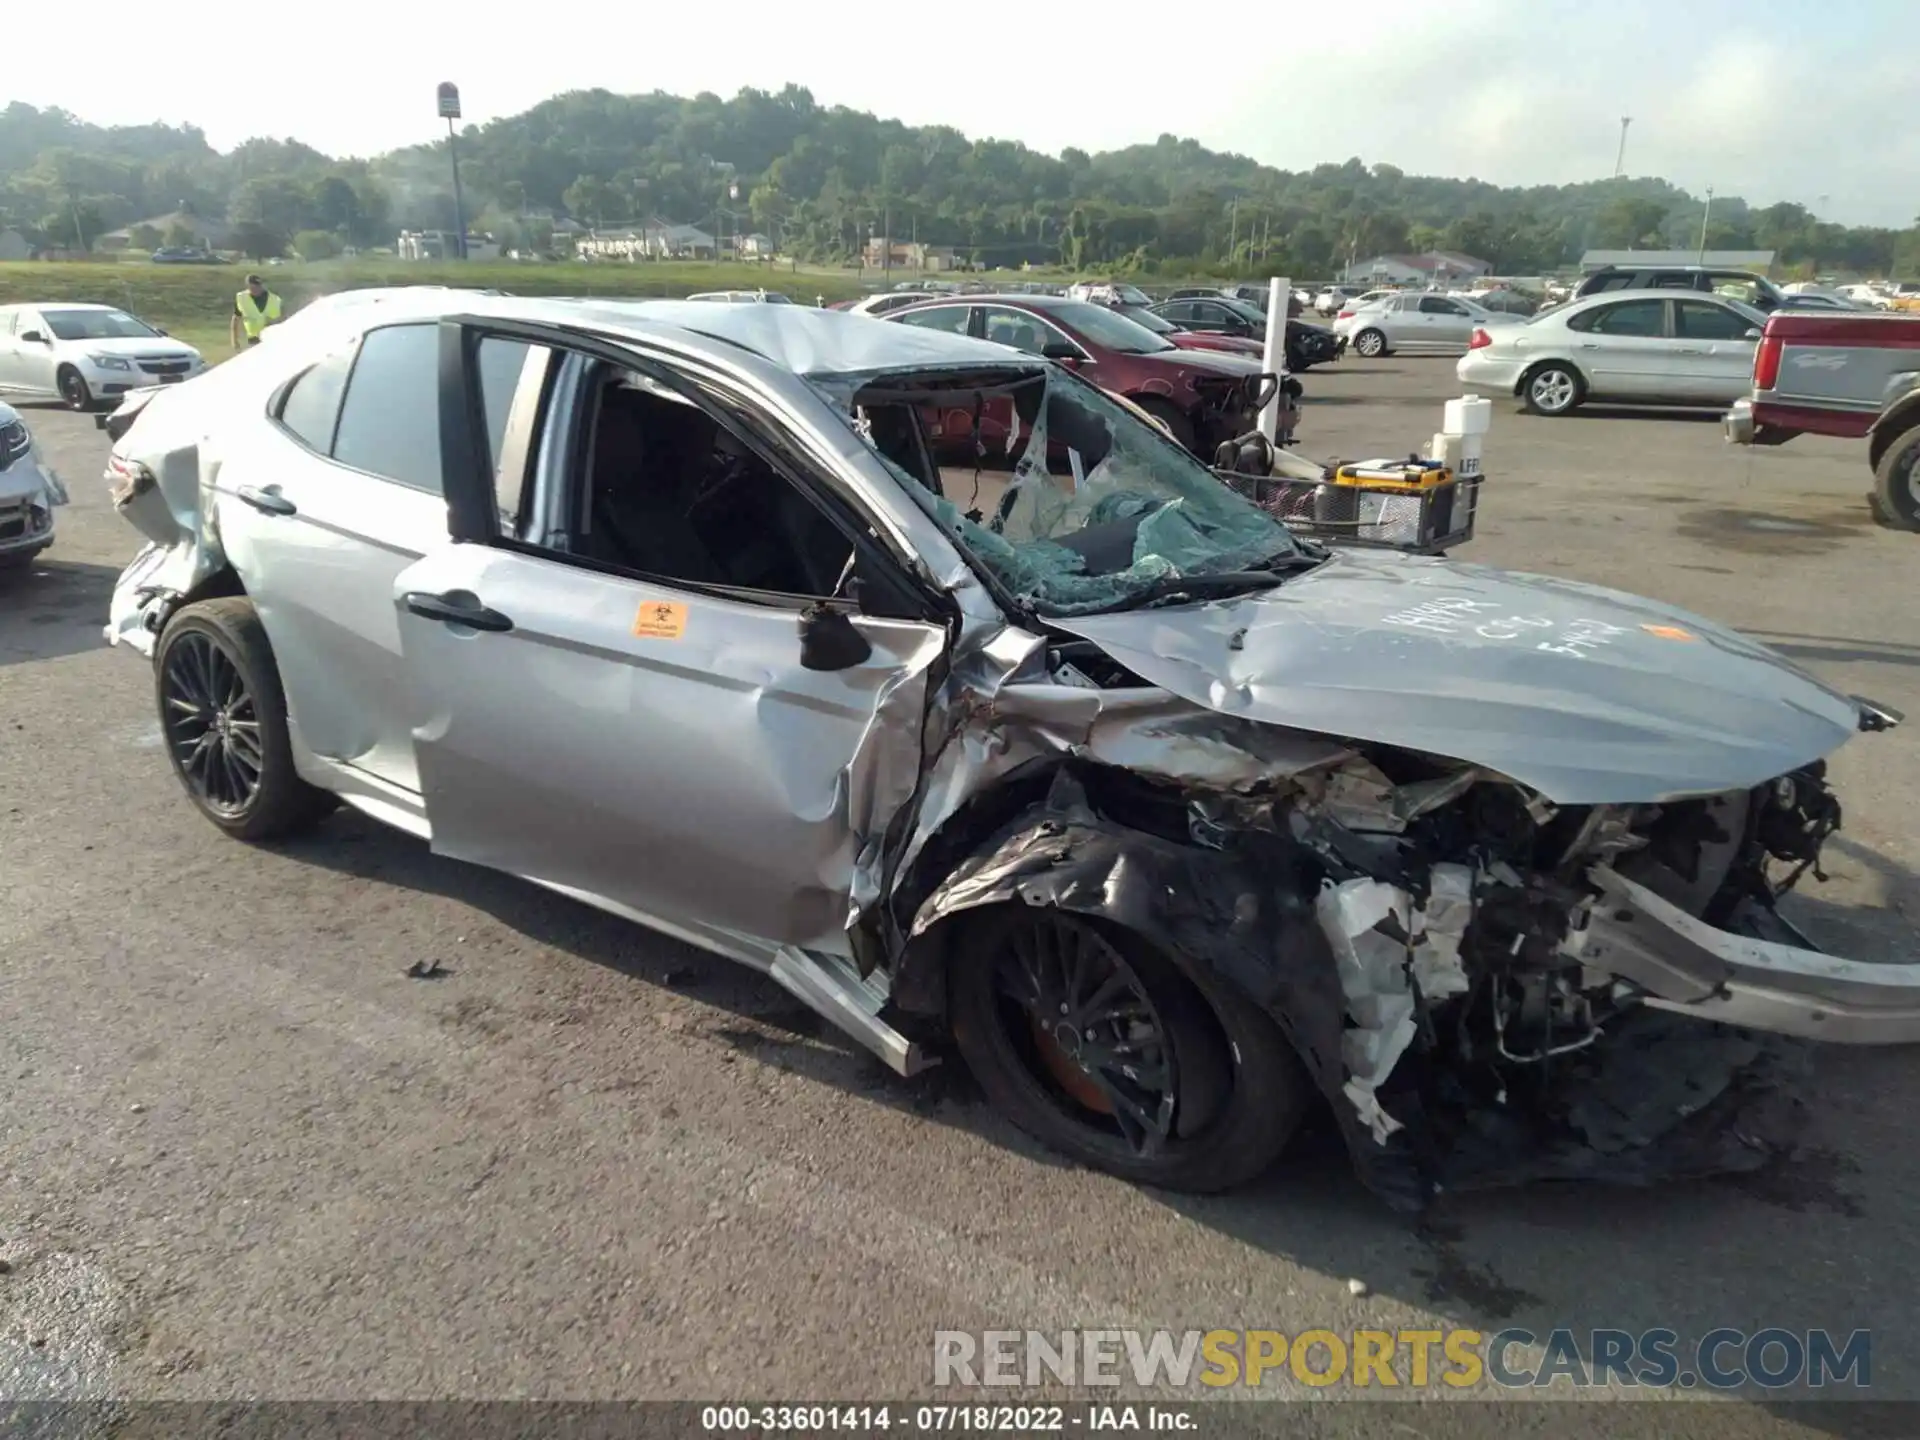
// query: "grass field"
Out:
[193,301]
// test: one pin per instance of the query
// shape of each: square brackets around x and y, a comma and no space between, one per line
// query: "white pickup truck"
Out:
[1856,375]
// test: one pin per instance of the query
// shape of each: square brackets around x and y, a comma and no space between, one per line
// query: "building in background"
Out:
[1435,267]
[441,245]
[908,255]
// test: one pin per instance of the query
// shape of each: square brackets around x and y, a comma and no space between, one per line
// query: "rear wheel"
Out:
[1896,482]
[1171,416]
[1096,1044]
[1552,389]
[224,719]
[74,389]
[1371,344]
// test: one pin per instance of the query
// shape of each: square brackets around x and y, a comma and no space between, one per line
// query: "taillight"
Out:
[1480,340]
[1766,363]
[1344,315]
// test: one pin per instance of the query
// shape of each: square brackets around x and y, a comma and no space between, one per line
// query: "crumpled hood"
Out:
[1585,694]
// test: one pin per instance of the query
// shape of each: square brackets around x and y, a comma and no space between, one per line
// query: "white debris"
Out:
[1379,973]
[1356,1286]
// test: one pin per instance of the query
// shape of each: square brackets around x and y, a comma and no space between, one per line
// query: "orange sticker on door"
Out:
[660,620]
[1668,632]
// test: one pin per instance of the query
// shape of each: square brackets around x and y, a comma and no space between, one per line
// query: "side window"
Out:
[1697,320]
[1182,312]
[1211,314]
[390,422]
[1738,287]
[1018,329]
[1437,305]
[311,406]
[1612,282]
[1631,317]
[1674,280]
[673,493]
[952,318]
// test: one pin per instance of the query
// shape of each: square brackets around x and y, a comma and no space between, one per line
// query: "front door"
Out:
[621,710]
[661,748]
[1444,324]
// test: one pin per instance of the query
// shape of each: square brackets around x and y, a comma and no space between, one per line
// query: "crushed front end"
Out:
[1533,991]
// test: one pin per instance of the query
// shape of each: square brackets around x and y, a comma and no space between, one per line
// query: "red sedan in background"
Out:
[1202,395]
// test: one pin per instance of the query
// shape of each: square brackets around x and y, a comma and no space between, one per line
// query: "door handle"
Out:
[1589,345]
[269,501]
[473,615]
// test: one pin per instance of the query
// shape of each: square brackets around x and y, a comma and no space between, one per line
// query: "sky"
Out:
[1768,99]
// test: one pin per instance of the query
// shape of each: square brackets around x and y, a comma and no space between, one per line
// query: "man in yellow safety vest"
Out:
[254,308]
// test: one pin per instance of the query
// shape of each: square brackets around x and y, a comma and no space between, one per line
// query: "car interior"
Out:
[671,492]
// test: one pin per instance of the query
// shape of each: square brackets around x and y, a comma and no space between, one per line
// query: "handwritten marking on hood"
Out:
[1445,613]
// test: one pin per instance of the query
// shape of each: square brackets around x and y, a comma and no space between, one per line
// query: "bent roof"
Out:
[805,340]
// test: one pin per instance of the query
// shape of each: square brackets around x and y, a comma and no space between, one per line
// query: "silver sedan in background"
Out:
[1638,346]
[1415,320]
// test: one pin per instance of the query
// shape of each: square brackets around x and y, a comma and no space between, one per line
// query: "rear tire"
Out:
[1553,389]
[1233,1092]
[223,717]
[1370,344]
[1896,482]
[73,389]
[1170,415]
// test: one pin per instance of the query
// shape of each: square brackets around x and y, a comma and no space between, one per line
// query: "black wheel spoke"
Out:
[1096,1043]
[211,723]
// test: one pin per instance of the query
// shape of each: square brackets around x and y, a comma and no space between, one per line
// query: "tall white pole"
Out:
[1279,301]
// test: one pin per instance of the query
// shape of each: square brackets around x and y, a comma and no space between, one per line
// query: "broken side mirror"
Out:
[829,640]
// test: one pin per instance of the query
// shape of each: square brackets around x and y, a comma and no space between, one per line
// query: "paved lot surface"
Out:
[242,1154]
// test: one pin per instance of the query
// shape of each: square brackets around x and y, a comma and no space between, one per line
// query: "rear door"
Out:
[1624,351]
[1713,354]
[606,709]
[319,511]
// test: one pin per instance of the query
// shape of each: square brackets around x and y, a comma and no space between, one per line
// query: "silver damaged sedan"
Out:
[1053,753]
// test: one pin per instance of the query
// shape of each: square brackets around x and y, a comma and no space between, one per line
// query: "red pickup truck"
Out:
[1837,373]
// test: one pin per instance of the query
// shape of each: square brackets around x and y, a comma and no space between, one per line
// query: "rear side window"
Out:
[1675,280]
[1629,317]
[941,317]
[390,423]
[1697,320]
[311,405]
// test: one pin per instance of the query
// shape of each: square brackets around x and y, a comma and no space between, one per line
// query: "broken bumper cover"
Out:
[1767,977]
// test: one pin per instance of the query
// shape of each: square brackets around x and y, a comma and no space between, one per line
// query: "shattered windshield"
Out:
[1070,499]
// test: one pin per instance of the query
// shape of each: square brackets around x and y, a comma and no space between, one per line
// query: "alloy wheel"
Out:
[1551,390]
[211,724]
[1088,1032]
[73,390]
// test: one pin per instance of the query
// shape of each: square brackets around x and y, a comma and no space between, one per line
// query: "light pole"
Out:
[1705,215]
[1620,160]
[449,106]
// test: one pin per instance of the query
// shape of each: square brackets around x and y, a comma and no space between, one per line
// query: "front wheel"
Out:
[1099,1046]
[74,389]
[224,719]
[1552,390]
[1896,482]
[1371,344]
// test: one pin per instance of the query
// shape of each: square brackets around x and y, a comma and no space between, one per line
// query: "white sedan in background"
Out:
[83,354]
[1663,347]
[1414,320]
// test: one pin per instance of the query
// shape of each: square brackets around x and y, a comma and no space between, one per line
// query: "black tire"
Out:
[1553,389]
[1896,482]
[1170,415]
[1235,1092]
[223,716]
[73,388]
[1370,344]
